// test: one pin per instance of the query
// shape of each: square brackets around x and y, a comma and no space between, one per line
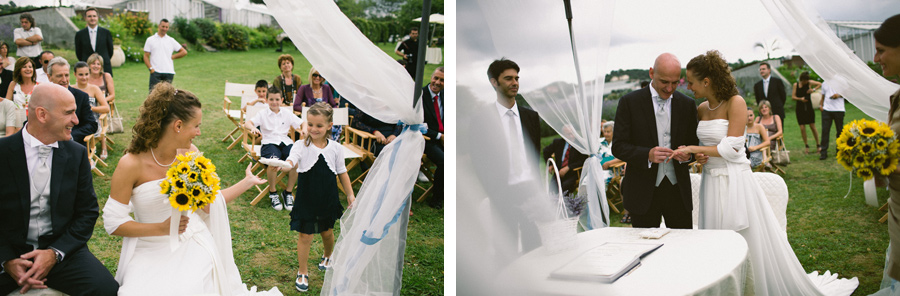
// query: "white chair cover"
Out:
[368,256]
[571,104]
[831,58]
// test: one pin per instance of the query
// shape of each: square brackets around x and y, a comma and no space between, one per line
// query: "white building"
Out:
[858,36]
[225,11]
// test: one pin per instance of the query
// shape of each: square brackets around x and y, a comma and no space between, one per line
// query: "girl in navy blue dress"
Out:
[319,159]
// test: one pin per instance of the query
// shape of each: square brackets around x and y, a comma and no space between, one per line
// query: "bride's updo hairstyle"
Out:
[711,65]
[163,106]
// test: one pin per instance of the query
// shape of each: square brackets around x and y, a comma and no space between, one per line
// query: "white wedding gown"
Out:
[202,262]
[730,198]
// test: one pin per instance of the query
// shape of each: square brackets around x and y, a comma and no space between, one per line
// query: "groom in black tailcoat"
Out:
[650,124]
[47,203]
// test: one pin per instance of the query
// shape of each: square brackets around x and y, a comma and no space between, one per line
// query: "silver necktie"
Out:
[41,174]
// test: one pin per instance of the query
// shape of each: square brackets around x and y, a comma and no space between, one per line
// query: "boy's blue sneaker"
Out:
[276,200]
[302,283]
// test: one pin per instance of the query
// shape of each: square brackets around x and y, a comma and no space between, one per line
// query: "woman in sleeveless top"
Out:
[805,113]
[757,138]
[772,122]
[104,81]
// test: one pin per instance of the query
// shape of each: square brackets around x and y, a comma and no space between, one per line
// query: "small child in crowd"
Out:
[274,125]
[261,89]
[318,160]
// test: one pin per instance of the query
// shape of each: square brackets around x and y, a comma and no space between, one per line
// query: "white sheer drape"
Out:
[368,255]
[831,58]
[535,35]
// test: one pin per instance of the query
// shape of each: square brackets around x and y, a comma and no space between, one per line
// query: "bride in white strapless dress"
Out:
[730,198]
[199,260]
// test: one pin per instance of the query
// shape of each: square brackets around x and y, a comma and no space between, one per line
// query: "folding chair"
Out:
[92,143]
[235,90]
[614,188]
[112,109]
[766,159]
[427,168]
[770,165]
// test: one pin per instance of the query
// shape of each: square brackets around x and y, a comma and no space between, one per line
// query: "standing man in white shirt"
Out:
[158,55]
[94,39]
[832,107]
[28,38]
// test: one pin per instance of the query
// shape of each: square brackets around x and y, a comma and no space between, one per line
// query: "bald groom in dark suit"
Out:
[47,205]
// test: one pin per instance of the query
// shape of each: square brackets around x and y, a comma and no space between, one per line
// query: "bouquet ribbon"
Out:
[174,238]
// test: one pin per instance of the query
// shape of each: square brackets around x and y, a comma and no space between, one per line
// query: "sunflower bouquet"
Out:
[191,182]
[867,147]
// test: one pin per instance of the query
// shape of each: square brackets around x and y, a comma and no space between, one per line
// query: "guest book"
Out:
[605,263]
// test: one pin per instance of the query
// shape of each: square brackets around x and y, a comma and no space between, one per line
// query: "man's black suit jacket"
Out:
[87,124]
[635,132]
[104,46]
[531,129]
[777,96]
[431,118]
[73,204]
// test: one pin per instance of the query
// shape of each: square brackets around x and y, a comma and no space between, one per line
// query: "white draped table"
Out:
[690,262]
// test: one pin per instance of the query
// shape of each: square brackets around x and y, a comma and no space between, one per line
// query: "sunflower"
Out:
[184,157]
[164,186]
[180,200]
[878,160]
[859,161]
[865,148]
[179,184]
[172,173]
[880,144]
[193,176]
[884,130]
[183,168]
[845,163]
[195,191]
[894,148]
[888,166]
[864,173]
[204,164]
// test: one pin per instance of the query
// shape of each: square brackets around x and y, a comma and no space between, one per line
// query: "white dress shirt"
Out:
[274,127]
[518,161]
[41,76]
[92,32]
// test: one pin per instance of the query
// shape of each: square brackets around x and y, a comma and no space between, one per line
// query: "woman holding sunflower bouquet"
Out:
[157,182]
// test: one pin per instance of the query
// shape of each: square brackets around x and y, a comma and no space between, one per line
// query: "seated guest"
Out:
[607,160]
[59,74]
[7,118]
[433,104]
[567,159]
[43,61]
[771,121]
[757,138]
[384,132]
[49,206]
[23,84]
[314,92]
[261,89]
[287,82]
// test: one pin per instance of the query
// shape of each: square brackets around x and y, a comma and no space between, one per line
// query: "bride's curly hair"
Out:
[164,105]
[711,65]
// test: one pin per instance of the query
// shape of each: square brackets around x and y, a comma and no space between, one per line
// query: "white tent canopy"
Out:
[436,18]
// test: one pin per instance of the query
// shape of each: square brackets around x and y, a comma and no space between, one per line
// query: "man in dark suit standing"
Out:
[433,103]
[650,123]
[94,39]
[87,124]
[48,207]
[770,88]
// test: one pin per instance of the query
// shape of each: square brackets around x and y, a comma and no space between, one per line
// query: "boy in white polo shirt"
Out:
[274,125]
[158,55]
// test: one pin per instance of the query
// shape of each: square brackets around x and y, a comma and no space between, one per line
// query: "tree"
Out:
[769,47]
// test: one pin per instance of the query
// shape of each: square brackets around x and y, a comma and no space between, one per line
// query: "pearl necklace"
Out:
[157,161]
[713,109]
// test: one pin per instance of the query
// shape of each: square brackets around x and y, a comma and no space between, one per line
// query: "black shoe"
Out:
[288,200]
[823,156]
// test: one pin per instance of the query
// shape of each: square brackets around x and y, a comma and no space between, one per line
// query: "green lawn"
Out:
[827,231]
[264,246]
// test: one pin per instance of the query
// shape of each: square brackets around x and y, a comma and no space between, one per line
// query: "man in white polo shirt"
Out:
[832,106]
[158,55]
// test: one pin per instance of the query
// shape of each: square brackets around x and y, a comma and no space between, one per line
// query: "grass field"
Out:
[826,230]
[264,246]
